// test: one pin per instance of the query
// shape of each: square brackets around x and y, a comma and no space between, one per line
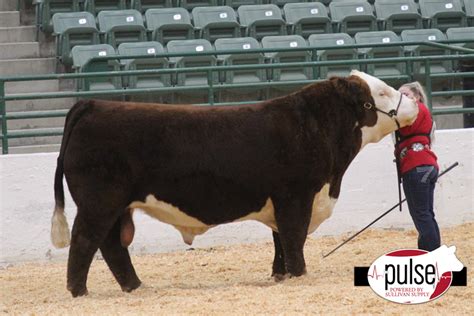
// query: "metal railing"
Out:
[211,86]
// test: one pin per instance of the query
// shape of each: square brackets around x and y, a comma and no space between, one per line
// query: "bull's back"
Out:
[182,135]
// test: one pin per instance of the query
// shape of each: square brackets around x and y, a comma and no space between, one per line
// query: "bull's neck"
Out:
[374,134]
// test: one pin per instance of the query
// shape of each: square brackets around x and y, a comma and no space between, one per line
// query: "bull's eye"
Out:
[381,93]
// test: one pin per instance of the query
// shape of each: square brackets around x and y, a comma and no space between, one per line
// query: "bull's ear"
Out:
[350,85]
[355,84]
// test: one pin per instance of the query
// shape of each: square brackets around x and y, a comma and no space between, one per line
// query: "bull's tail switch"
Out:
[60,235]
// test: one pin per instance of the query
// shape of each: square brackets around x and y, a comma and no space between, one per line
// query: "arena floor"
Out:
[236,280]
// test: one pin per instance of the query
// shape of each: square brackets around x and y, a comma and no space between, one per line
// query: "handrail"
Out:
[211,86]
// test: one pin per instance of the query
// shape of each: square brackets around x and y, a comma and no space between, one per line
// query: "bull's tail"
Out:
[60,234]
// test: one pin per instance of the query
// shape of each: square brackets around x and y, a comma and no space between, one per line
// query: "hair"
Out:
[417,90]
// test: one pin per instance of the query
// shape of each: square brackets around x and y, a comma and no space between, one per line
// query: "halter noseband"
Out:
[391,113]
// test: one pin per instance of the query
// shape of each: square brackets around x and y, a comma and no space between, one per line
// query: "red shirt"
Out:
[412,159]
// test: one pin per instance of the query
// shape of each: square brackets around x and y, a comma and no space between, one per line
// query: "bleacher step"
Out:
[31,86]
[36,104]
[26,124]
[34,141]
[13,67]
[9,18]
[8,5]
[19,50]
[40,105]
[17,34]
[34,149]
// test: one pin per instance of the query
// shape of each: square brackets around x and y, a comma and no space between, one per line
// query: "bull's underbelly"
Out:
[189,226]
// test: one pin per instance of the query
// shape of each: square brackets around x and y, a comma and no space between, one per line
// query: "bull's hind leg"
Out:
[96,216]
[293,214]
[118,259]
[87,234]
[279,268]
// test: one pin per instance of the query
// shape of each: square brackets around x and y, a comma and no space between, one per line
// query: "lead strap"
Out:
[398,166]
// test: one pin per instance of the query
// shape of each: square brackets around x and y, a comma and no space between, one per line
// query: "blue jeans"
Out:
[419,184]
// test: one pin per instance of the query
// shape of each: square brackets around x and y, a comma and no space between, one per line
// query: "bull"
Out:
[280,162]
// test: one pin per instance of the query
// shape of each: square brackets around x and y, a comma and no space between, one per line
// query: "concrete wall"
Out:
[369,189]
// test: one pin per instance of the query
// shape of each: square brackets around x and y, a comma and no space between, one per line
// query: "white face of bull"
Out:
[386,99]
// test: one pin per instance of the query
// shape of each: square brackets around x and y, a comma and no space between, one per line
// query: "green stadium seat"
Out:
[465,34]
[335,39]
[192,46]
[95,6]
[381,37]
[146,49]
[288,41]
[423,35]
[216,22]
[469,9]
[169,24]
[398,15]
[71,29]
[261,20]
[237,3]
[325,2]
[353,16]
[307,18]
[143,5]
[241,44]
[152,48]
[122,26]
[82,55]
[282,3]
[443,14]
[45,9]
[248,76]
[426,35]
[191,4]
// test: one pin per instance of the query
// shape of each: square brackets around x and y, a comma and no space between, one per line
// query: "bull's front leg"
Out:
[293,214]
[279,268]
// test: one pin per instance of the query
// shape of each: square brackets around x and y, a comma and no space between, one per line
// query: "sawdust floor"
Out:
[235,280]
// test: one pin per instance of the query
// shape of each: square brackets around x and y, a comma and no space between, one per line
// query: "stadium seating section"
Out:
[88,28]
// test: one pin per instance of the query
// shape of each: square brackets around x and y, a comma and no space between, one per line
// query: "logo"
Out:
[413,276]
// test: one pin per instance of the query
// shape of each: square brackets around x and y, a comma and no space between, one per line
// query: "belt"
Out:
[414,147]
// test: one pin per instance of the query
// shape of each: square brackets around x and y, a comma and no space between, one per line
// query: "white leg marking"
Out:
[60,235]
[322,208]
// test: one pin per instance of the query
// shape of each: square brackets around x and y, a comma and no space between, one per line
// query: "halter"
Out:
[392,113]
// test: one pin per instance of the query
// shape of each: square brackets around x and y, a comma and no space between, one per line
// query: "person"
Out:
[419,169]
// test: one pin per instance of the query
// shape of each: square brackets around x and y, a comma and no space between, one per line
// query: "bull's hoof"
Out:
[278,277]
[298,274]
[132,286]
[78,292]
